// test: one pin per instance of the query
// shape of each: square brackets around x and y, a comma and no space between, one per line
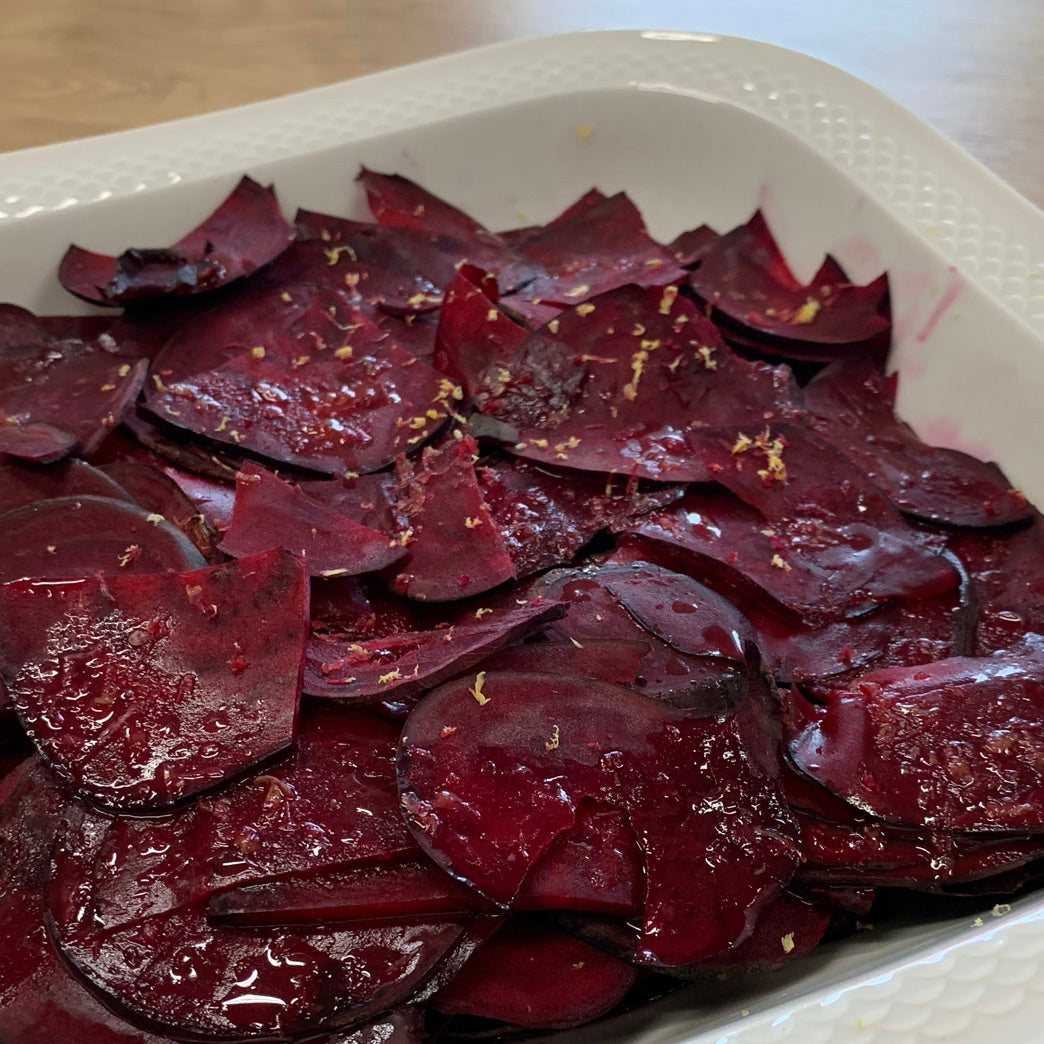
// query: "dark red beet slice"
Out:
[142,690]
[743,275]
[395,891]
[546,516]
[955,745]
[400,203]
[85,535]
[454,549]
[159,494]
[269,513]
[406,664]
[851,406]
[22,485]
[313,384]
[63,392]
[492,769]
[246,231]
[402,1026]
[331,803]
[607,659]
[627,384]
[598,245]
[537,977]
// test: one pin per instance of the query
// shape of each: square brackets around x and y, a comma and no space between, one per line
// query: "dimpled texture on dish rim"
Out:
[983,983]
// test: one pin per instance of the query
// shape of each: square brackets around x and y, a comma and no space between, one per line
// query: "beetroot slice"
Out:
[86,535]
[607,659]
[269,513]
[142,690]
[743,275]
[307,381]
[454,549]
[626,382]
[851,406]
[492,769]
[598,245]
[408,663]
[536,977]
[249,832]
[246,231]
[22,485]
[953,745]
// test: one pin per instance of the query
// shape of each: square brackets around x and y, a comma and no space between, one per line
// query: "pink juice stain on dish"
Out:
[948,432]
[952,290]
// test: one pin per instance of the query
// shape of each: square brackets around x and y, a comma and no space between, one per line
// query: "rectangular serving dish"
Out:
[696,128]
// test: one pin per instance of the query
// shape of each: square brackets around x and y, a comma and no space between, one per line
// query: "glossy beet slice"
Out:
[58,395]
[608,659]
[597,246]
[400,203]
[546,516]
[743,275]
[454,549]
[143,690]
[851,406]
[406,664]
[330,803]
[245,232]
[951,746]
[492,769]
[20,484]
[300,378]
[89,535]
[625,383]
[537,977]
[393,891]
[269,513]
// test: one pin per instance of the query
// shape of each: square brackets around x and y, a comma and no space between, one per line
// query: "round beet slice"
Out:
[141,690]
[85,535]
[493,767]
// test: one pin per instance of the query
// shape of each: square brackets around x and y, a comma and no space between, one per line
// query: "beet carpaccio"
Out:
[415,632]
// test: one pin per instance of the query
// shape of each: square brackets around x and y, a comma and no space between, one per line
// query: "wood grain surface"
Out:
[73,68]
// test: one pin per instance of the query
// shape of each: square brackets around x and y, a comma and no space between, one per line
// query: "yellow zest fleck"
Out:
[123,370]
[584,131]
[639,330]
[571,443]
[285,297]
[779,563]
[585,309]
[393,675]
[552,743]
[667,299]
[154,518]
[503,374]
[706,353]
[129,554]
[344,352]
[808,311]
[476,689]
[742,443]
[158,382]
[479,613]
[787,942]
[578,965]
[1000,910]
[107,387]
[327,573]
[492,315]
[401,539]
[674,364]
[350,474]
[597,358]
[539,443]
[772,449]
[576,643]
[258,352]
[578,291]
[223,423]
[416,423]
[472,521]
[351,279]
[301,360]
[553,326]
[235,436]
[638,360]
[447,730]
[333,254]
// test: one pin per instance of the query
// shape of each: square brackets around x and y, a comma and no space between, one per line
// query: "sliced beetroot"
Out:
[953,745]
[536,977]
[454,549]
[315,385]
[834,537]
[63,394]
[20,484]
[159,494]
[142,690]
[607,659]
[250,832]
[269,513]
[492,769]
[851,406]
[625,383]
[245,232]
[743,275]
[546,516]
[183,451]
[597,245]
[88,535]
[394,891]
[400,203]
[408,663]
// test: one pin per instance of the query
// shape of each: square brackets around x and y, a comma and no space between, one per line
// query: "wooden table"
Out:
[70,68]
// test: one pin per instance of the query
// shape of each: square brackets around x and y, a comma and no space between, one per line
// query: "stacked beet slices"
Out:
[413,632]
